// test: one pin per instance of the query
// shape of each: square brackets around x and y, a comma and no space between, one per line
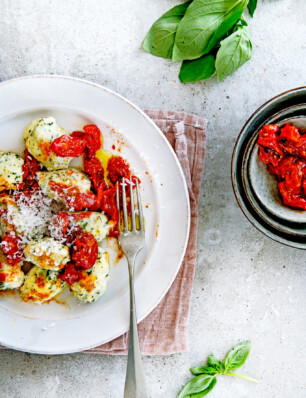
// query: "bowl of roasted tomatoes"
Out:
[269,168]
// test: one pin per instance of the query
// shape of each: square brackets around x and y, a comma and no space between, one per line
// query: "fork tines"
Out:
[131,184]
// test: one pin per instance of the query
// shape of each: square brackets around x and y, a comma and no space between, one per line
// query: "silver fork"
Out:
[131,243]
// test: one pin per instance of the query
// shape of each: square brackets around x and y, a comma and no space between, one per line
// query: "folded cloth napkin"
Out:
[165,329]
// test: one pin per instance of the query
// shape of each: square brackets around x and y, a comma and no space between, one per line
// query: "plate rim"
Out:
[185,190]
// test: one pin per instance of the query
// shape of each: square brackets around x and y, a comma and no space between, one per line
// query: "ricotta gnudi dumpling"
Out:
[10,170]
[39,136]
[41,285]
[95,223]
[92,282]
[47,253]
[6,203]
[11,276]
[12,218]
[72,181]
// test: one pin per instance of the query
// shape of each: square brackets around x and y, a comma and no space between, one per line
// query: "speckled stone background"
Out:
[246,285]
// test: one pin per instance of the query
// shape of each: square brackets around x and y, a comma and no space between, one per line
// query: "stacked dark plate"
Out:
[255,188]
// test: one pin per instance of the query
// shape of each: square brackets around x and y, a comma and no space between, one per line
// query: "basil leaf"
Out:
[252,7]
[206,370]
[225,29]
[237,356]
[195,34]
[215,363]
[159,40]
[198,69]
[198,387]
[235,50]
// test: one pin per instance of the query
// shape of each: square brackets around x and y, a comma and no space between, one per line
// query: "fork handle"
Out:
[135,386]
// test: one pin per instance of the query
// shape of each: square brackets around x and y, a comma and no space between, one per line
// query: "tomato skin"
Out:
[85,250]
[70,274]
[2,277]
[65,146]
[11,246]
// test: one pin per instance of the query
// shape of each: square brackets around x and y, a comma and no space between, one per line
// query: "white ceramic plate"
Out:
[69,325]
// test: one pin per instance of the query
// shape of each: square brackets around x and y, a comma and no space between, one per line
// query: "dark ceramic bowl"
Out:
[255,189]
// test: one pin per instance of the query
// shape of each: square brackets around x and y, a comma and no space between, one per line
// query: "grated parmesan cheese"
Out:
[33,216]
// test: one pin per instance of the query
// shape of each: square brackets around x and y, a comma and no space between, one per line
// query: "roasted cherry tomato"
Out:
[270,156]
[65,146]
[30,167]
[61,222]
[75,200]
[293,179]
[94,168]
[268,136]
[80,216]
[290,133]
[64,192]
[85,250]
[117,168]
[282,168]
[82,201]
[92,136]
[300,147]
[12,248]
[290,199]
[285,154]
[2,277]
[70,274]
[108,203]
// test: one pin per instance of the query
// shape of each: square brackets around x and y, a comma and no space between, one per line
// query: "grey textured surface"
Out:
[246,286]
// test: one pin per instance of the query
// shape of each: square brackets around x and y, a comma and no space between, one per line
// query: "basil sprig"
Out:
[205,376]
[203,34]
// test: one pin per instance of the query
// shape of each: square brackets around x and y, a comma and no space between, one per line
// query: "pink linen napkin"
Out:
[165,329]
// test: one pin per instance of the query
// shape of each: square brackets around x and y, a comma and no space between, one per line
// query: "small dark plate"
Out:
[255,189]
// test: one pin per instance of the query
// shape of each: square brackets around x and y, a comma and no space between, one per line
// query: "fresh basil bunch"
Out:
[209,36]
[205,376]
